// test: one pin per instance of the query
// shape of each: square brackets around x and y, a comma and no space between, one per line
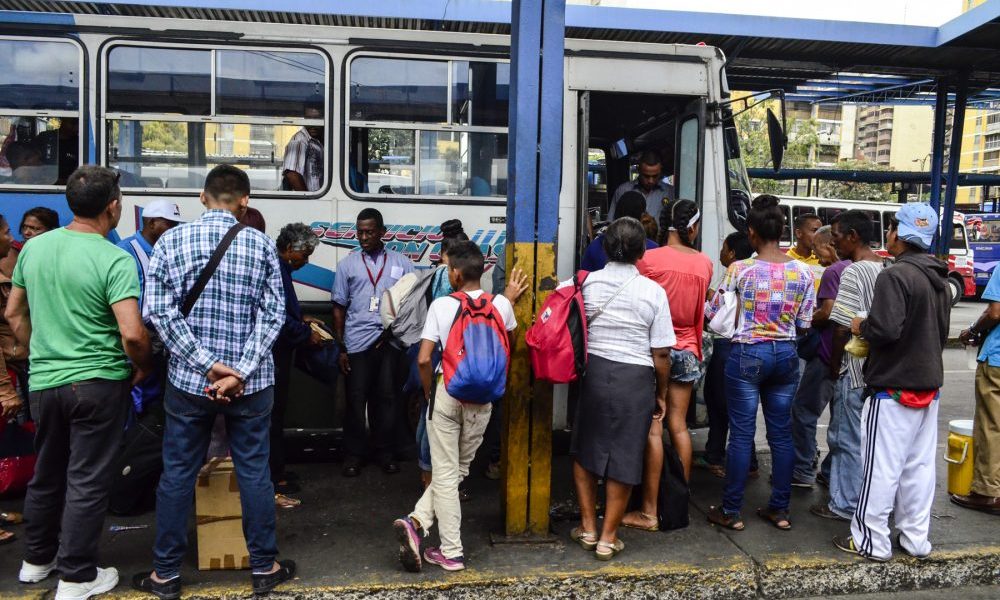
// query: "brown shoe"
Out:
[986,504]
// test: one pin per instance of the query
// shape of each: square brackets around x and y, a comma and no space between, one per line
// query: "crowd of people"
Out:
[206,313]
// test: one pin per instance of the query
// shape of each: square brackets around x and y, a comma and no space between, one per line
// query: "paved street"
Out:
[964,314]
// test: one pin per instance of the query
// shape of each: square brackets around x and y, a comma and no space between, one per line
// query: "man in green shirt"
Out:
[74,303]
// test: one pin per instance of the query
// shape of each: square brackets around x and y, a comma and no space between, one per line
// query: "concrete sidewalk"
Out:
[343,542]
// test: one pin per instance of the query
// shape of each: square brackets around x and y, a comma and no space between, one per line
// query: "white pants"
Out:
[898,451]
[455,431]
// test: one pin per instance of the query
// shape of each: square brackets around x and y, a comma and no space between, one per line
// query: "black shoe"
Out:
[464,495]
[822,480]
[168,590]
[801,483]
[390,467]
[352,467]
[823,510]
[264,583]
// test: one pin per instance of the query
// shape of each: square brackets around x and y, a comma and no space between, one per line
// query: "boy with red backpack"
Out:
[472,329]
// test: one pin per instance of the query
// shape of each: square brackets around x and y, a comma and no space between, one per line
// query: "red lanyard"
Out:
[371,278]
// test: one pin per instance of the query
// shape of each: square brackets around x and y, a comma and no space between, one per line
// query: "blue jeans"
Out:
[844,438]
[814,393]
[423,441]
[767,372]
[186,436]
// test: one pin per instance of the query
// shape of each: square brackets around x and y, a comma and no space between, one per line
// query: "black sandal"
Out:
[775,517]
[720,518]
[9,538]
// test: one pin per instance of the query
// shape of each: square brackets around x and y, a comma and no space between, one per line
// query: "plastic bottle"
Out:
[971,357]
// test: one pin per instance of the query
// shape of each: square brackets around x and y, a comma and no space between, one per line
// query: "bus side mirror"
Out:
[776,139]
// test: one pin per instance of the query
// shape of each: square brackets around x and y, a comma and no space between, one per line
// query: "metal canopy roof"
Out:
[766,52]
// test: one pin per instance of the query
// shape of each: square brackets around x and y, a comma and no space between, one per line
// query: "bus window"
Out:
[958,244]
[425,127]
[687,175]
[39,111]
[826,214]
[876,241]
[800,211]
[165,128]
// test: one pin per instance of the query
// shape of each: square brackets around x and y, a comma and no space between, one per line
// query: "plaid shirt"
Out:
[239,314]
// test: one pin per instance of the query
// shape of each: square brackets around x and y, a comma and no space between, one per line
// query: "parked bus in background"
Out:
[960,254]
[984,235]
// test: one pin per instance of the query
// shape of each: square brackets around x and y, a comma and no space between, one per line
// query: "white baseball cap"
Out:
[164,210]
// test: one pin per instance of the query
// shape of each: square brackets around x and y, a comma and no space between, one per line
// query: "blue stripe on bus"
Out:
[11,17]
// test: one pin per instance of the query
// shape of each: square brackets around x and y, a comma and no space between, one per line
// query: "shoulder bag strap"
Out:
[210,267]
[600,310]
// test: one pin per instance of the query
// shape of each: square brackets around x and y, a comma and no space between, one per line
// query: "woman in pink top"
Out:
[684,273]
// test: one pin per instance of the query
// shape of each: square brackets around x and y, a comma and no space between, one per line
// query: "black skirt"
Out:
[613,418]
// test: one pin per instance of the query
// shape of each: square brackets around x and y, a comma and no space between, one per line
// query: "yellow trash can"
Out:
[959,457]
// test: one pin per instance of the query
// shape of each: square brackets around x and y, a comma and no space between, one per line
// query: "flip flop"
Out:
[586,539]
[7,537]
[11,518]
[775,517]
[286,502]
[606,551]
[718,517]
[648,518]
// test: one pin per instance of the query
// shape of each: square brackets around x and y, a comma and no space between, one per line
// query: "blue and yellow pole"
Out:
[534,180]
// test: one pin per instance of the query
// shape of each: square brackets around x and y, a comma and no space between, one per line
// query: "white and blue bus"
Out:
[415,123]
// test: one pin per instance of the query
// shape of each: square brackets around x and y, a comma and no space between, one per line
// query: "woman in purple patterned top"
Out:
[776,297]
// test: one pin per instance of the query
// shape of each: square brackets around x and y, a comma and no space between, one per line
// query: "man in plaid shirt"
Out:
[220,363]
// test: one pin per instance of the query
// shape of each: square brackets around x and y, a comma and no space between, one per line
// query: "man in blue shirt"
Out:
[985,494]
[632,204]
[157,218]
[372,367]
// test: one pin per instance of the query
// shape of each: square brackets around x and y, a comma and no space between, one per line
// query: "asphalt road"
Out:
[964,314]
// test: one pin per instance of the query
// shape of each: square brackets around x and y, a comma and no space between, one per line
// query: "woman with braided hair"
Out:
[684,273]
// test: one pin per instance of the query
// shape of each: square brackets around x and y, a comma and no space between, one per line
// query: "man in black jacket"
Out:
[906,331]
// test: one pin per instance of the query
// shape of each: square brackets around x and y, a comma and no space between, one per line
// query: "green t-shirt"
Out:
[72,279]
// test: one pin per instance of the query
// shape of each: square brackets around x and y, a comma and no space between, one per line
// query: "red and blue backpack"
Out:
[557,341]
[477,354]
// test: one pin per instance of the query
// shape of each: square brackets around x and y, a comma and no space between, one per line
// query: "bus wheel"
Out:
[956,288]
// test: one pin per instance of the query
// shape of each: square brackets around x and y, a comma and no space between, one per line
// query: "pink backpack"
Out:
[557,342]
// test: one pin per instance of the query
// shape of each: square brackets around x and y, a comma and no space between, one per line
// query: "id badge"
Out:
[373,304]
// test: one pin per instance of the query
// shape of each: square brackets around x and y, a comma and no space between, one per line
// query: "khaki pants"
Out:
[986,432]
[455,430]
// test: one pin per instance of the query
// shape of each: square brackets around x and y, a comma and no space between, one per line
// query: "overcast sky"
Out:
[909,12]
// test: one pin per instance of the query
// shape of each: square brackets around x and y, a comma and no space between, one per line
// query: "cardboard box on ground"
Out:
[220,518]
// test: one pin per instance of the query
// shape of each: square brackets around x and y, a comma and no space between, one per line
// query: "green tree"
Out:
[851,190]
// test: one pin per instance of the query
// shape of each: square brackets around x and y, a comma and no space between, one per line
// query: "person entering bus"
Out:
[302,169]
[649,183]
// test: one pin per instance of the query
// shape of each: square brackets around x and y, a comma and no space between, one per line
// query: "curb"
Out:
[777,577]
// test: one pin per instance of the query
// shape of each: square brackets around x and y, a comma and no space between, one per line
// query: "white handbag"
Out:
[724,322]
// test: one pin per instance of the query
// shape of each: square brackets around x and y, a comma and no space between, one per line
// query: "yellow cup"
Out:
[959,457]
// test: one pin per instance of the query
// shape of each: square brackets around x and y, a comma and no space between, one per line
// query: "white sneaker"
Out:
[105,581]
[34,573]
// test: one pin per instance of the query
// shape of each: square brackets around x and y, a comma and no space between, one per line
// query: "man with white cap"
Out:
[158,217]
[906,331]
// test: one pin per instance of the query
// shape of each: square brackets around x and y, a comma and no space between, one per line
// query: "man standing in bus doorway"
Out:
[372,366]
[853,231]
[650,183]
[302,169]
[985,493]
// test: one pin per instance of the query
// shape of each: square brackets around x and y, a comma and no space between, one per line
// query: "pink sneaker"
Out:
[409,544]
[433,555]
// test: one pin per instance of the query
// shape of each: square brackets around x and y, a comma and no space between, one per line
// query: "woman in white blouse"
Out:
[625,389]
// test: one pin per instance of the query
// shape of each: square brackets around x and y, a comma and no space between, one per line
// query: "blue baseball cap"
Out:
[917,224]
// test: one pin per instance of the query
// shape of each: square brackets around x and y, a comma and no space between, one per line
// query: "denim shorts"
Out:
[684,366]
